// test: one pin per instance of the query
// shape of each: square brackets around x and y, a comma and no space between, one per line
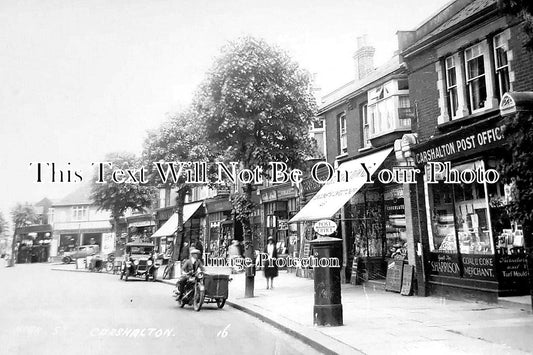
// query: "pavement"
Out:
[379,322]
[43,311]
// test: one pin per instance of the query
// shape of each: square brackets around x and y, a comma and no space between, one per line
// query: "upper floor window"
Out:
[475,77]
[501,64]
[343,139]
[451,87]
[366,126]
[318,124]
[79,213]
[50,215]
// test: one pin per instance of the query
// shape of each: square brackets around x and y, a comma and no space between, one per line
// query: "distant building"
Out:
[76,221]
[34,240]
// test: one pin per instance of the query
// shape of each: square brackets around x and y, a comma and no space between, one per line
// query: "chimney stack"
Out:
[363,57]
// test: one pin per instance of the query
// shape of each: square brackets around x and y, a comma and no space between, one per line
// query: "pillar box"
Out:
[327,309]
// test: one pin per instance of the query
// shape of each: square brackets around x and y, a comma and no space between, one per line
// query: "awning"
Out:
[171,225]
[333,195]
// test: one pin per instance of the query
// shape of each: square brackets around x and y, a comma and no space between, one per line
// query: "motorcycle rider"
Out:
[189,268]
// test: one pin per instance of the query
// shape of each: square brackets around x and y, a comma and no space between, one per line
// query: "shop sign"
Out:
[475,138]
[286,193]
[268,196]
[283,224]
[512,266]
[479,267]
[325,227]
[444,264]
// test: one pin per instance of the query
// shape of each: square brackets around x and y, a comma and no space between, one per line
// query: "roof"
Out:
[463,14]
[356,87]
[80,196]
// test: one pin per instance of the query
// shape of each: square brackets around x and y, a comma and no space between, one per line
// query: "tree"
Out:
[181,138]
[522,9]
[117,198]
[3,224]
[517,172]
[257,106]
[21,216]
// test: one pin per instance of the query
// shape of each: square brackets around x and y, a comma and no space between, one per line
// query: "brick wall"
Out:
[522,63]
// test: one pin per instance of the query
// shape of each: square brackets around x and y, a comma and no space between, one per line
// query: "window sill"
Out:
[364,149]
[466,120]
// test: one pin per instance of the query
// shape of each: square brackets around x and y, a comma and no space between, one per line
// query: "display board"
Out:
[394,276]
[407,280]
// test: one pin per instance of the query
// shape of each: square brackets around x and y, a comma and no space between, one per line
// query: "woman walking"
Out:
[270,267]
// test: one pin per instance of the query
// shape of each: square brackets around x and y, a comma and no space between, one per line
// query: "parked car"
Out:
[82,251]
[139,261]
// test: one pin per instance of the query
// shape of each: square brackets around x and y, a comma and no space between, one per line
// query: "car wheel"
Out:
[147,276]
[67,259]
[154,275]
[221,302]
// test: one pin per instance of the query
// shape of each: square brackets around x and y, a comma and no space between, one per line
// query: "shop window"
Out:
[501,64]
[451,87]
[458,216]
[475,77]
[343,139]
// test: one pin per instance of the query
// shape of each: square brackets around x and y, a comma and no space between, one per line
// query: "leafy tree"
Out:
[181,138]
[21,216]
[517,170]
[3,224]
[522,9]
[117,198]
[257,106]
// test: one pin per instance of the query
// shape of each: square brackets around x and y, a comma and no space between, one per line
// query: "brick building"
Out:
[461,62]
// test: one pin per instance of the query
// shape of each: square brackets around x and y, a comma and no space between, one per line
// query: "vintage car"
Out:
[82,251]
[139,261]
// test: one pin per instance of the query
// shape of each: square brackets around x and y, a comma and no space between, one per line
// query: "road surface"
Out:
[43,311]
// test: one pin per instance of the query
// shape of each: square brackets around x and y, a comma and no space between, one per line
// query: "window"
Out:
[458,216]
[501,64]
[342,134]
[451,87]
[50,215]
[79,213]
[475,77]
[318,124]
[366,126]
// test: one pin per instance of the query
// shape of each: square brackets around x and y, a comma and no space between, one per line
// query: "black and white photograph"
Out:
[266,177]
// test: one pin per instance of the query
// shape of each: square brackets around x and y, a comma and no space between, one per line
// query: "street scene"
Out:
[289,177]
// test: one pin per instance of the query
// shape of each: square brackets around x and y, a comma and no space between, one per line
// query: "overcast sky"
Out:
[80,78]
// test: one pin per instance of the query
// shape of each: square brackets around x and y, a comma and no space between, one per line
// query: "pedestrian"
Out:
[269,266]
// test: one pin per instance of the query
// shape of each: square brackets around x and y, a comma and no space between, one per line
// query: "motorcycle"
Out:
[194,292]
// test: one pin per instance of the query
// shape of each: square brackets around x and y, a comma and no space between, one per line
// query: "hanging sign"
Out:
[325,227]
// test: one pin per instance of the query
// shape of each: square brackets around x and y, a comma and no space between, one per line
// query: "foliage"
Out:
[523,9]
[242,206]
[257,105]
[119,197]
[3,224]
[23,215]
[517,170]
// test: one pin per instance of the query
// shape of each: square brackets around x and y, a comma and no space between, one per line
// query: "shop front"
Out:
[359,209]
[34,243]
[193,231]
[280,203]
[220,225]
[473,249]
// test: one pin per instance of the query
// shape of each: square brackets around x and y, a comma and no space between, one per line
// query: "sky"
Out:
[81,78]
